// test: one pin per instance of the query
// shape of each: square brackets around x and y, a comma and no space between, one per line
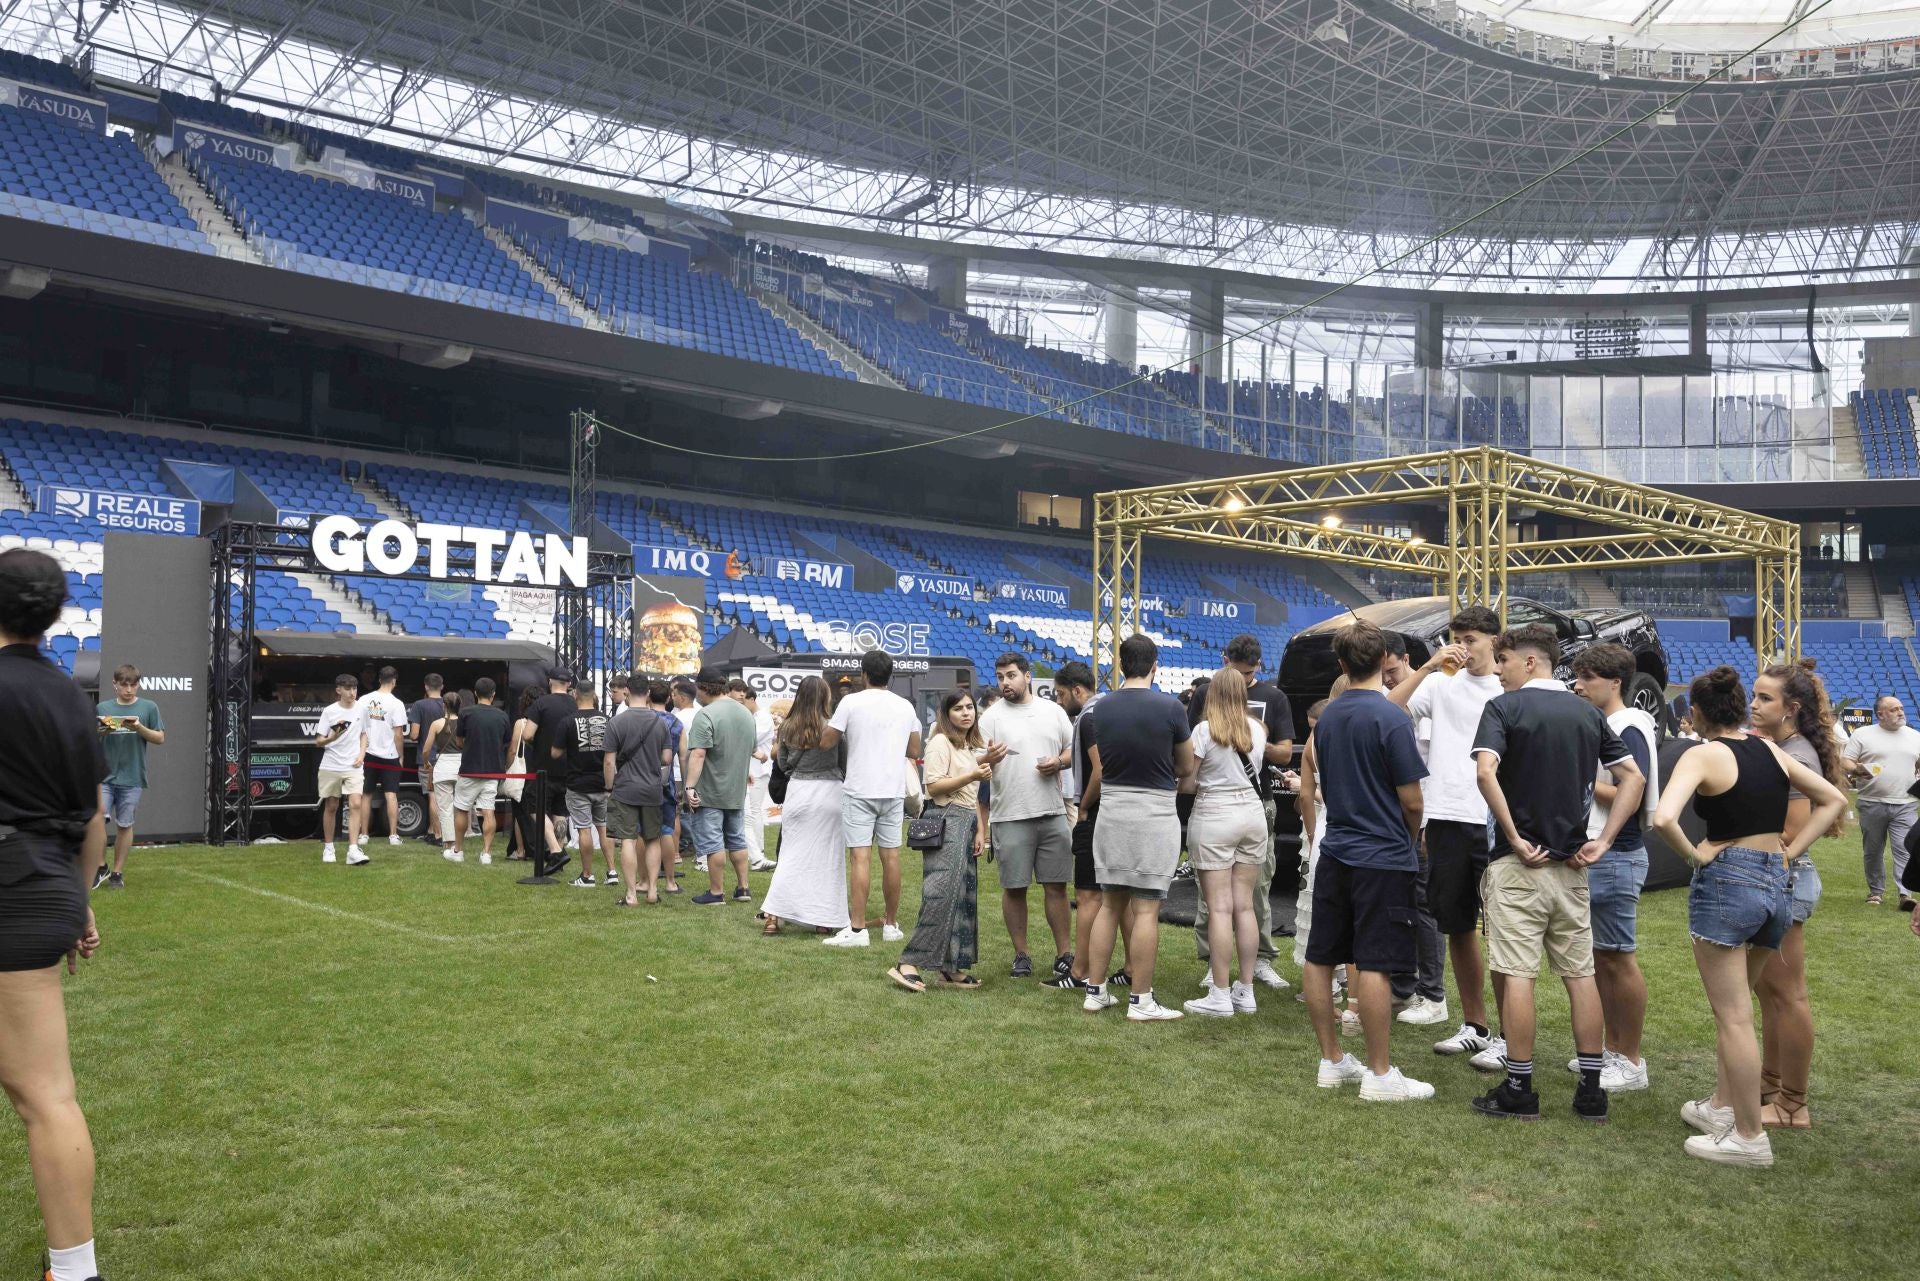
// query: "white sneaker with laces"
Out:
[761,865]
[1334,1075]
[356,857]
[1622,1075]
[891,932]
[847,937]
[1493,1058]
[363,838]
[1350,1023]
[700,864]
[1706,1118]
[453,855]
[393,838]
[1241,994]
[1216,1004]
[1393,1088]
[1461,1042]
[326,853]
[1144,1009]
[485,859]
[1095,1002]
[1264,973]
[1728,1148]
[1423,1012]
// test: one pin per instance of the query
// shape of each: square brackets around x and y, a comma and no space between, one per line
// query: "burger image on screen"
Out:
[668,638]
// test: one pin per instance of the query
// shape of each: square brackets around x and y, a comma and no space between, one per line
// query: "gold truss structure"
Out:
[1482,492]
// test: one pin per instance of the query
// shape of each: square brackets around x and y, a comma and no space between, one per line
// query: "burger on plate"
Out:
[668,638]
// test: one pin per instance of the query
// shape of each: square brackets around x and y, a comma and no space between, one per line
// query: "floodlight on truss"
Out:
[1482,493]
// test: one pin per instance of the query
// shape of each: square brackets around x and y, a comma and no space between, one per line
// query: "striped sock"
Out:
[1519,1073]
[1590,1065]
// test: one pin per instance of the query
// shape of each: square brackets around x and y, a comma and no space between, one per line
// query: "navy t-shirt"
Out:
[1365,750]
[1631,837]
[1136,731]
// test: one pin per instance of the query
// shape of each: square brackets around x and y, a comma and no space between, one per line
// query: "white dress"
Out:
[810,880]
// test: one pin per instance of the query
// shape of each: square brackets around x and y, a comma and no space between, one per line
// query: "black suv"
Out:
[1308,669]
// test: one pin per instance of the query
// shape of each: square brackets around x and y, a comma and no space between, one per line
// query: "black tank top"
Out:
[1757,801]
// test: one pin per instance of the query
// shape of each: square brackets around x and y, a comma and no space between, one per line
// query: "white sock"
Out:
[74,1264]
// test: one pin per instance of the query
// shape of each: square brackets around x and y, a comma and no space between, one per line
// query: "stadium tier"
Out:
[94,182]
[39,71]
[1885,420]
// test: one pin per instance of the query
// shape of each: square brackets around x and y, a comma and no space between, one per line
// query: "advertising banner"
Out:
[134,513]
[667,616]
[934,585]
[1231,611]
[191,138]
[819,573]
[66,108]
[1045,595]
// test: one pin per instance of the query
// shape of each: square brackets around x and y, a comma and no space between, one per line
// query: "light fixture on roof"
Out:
[1332,31]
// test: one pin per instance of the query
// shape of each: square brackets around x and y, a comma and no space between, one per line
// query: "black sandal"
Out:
[913,982]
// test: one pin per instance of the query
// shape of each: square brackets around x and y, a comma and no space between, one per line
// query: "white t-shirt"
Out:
[685,716]
[1452,705]
[384,714]
[1220,767]
[343,752]
[1895,752]
[1033,730]
[762,742]
[877,724]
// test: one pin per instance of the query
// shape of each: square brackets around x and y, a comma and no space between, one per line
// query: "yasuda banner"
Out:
[134,513]
[934,585]
[191,138]
[1047,595]
[818,573]
[64,108]
[418,192]
[1230,611]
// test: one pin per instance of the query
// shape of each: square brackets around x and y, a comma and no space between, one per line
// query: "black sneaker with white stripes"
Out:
[1066,983]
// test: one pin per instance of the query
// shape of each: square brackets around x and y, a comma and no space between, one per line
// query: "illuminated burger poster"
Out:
[666,624]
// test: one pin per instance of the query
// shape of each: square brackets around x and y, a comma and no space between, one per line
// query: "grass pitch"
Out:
[417,1070]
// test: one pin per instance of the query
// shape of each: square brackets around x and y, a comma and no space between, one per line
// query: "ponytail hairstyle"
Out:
[1803,690]
[1719,700]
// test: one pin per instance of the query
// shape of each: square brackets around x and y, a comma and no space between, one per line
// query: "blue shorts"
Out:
[119,803]
[717,831]
[669,810]
[1613,888]
[1806,888]
[1741,899]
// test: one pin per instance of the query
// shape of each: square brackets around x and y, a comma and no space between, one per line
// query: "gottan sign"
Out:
[391,547]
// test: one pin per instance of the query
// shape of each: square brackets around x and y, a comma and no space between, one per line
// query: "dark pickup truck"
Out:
[1308,669]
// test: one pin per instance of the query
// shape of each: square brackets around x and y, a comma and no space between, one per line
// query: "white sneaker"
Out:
[1461,1042]
[1493,1058]
[1350,1023]
[1241,994]
[357,857]
[454,856]
[485,859]
[1622,1075]
[1423,1012]
[1144,1009]
[760,865]
[700,864]
[1334,1075]
[1706,1118]
[326,853]
[847,937]
[1393,1088]
[1098,1001]
[890,932]
[1728,1148]
[363,839]
[1216,1004]
[393,839]
[1265,973]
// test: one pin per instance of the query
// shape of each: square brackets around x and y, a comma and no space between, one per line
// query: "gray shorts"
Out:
[872,822]
[587,809]
[1034,849]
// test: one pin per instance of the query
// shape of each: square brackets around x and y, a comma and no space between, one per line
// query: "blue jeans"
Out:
[1613,885]
[1741,899]
[1806,888]
[717,831]
[119,803]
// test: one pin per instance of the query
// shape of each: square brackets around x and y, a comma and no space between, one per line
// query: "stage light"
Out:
[1329,522]
[1416,541]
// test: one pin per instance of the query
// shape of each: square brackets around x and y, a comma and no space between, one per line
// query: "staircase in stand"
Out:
[829,345]
[219,229]
[1591,589]
[1863,595]
[547,281]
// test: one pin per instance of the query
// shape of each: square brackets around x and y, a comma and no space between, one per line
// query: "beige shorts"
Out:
[1225,830]
[471,794]
[340,782]
[1531,910]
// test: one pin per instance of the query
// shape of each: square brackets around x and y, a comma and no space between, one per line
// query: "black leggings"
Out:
[43,905]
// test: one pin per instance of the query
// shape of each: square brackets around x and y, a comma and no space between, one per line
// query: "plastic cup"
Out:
[1449,664]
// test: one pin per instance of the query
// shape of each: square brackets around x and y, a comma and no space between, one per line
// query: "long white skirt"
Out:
[810,881]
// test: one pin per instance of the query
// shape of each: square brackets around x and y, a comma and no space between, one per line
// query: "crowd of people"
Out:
[1471,813]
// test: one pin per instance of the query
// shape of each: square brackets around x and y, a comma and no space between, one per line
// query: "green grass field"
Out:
[418,1070]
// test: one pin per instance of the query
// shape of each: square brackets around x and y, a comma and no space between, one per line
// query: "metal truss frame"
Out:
[1482,492]
[833,109]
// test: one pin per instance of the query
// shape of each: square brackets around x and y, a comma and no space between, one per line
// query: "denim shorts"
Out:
[717,831]
[1740,900]
[1806,888]
[119,802]
[873,822]
[1614,884]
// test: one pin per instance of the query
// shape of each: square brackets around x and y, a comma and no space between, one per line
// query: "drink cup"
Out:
[1449,664]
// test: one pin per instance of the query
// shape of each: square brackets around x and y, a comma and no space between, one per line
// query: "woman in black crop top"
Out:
[1740,905]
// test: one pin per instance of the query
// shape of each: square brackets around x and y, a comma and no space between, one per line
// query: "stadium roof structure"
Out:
[1315,137]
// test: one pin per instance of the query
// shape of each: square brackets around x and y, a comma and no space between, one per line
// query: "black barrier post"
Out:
[545,863]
